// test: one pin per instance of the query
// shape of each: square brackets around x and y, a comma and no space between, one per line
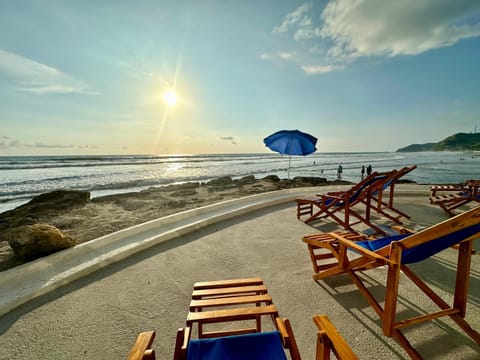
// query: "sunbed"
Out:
[226,302]
[350,253]
[456,199]
[349,207]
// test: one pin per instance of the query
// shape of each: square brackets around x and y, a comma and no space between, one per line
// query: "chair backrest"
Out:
[256,346]
[395,175]
[425,243]
[374,180]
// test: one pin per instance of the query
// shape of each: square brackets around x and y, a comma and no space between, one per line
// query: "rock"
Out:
[183,186]
[250,179]
[309,180]
[184,193]
[33,241]
[223,181]
[61,199]
[41,208]
[272,178]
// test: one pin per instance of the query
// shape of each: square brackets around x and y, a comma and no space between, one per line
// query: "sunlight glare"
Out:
[170,98]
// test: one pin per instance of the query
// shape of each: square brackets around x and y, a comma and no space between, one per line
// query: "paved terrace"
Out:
[90,302]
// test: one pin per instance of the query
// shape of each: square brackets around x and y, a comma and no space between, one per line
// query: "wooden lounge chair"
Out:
[245,299]
[142,349]
[446,188]
[396,253]
[385,207]
[240,300]
[341,206]
[451,201]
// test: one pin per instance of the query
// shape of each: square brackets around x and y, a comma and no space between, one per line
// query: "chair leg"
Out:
[461,288]
[323,346]
[397,334]
[391,292]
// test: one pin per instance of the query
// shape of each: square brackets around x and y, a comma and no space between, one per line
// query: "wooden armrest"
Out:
[379,255]
[142,348]
[181,343]
[402,230]
[336,342]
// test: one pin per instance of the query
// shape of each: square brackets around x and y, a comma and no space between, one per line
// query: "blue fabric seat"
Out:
[261,346]
[423,251]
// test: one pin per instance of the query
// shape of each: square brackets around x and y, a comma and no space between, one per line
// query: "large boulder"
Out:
[33,241]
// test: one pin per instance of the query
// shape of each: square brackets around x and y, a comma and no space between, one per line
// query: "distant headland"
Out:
[457,142]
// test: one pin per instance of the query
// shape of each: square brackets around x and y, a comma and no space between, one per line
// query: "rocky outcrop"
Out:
[309,181]
[272,178]
[250,179]
[223,181]
[30,242]
[41,208]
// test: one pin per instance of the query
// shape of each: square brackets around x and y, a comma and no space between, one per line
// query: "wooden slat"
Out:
[220,333]
[230,314]
[227,283]
[426,317]
[256,289]
[199,304]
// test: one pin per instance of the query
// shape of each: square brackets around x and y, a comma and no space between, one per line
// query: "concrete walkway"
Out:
[97,314]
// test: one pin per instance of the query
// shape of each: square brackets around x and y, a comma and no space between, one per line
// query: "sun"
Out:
[170,98]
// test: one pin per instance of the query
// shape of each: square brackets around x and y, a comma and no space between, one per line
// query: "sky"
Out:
[90,77]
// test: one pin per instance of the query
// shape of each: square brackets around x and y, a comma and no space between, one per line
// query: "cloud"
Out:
[318,69]
[283,55]
[37,78]
[346,30]
[8,142]
[407,27]
[297,18]
[229,138]
[41,145]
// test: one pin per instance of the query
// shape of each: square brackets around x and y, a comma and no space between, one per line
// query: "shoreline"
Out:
[106,214]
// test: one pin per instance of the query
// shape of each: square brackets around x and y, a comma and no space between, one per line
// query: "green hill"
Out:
[457,142]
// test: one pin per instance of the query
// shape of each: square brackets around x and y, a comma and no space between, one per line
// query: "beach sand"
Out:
[99,316]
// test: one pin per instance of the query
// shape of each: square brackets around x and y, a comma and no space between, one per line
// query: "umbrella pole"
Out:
[289,161]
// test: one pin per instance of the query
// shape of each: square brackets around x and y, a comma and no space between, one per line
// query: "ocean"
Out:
[22,177]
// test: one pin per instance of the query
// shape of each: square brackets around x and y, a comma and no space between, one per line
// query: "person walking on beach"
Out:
[363,171]
[339,172]
[369,169]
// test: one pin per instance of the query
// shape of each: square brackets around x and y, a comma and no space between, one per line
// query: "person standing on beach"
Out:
[369,169]
[363,171]
[339,172]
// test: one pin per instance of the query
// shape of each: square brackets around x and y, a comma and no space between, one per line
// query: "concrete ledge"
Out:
[28,281]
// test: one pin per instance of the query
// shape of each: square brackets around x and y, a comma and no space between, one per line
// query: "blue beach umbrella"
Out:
[291,142]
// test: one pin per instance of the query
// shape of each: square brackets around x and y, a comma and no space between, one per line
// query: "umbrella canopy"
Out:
[291,142]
